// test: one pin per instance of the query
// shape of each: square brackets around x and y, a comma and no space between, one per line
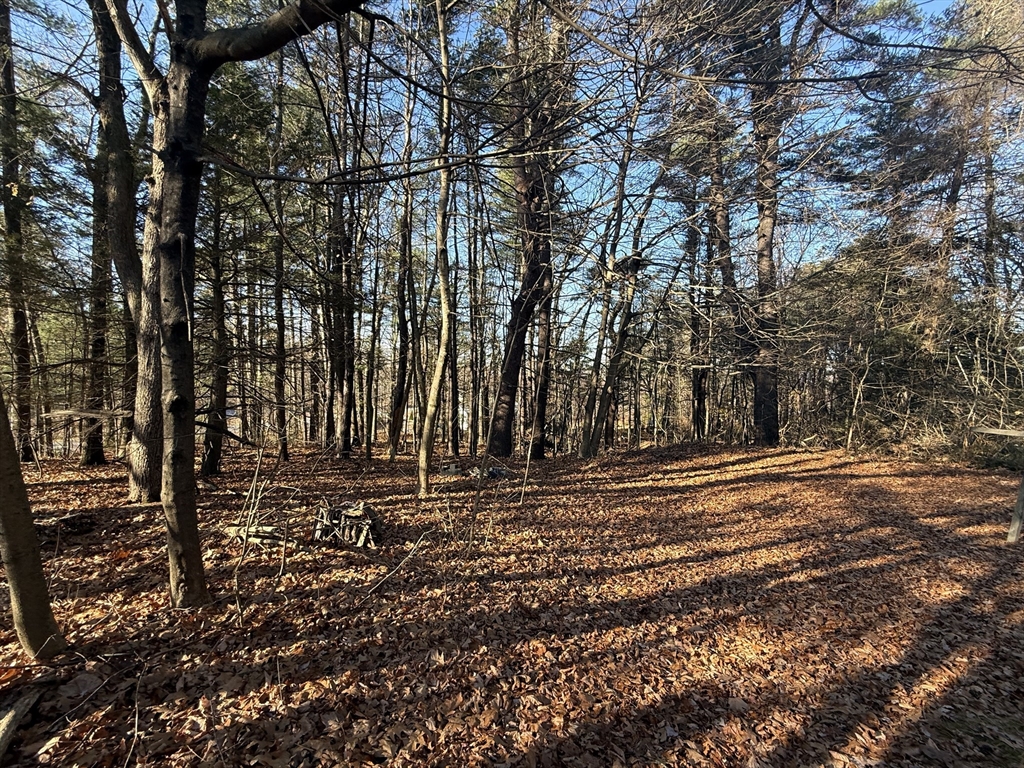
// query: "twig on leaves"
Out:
[135,726]
[252,502]
[396,569]
[67,715]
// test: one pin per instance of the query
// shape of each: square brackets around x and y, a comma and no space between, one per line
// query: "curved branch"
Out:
[254,42]
[151,76]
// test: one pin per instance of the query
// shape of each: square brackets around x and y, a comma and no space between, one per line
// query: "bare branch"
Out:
[254,42]
[151,76]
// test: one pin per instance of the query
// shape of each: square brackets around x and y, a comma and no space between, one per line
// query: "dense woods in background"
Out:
[540,227]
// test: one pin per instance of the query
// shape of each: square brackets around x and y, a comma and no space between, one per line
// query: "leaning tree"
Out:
[30,599]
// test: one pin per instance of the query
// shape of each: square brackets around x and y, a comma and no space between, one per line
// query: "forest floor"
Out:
[671,606]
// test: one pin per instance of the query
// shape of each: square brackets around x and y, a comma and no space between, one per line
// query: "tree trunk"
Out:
[179,129]
[404,351]
[536,126]
[536,249]
[539,435]
[476,322]
[454,425]
[99,291]
[144,448]
[37,629]
[625,314]
[244,365]
[347,382]
[130,379]
[766,108]
[178,101]
[699,353]
[213,439]
[316,377]
[400,391]
[433,401]
[280,356]
[370,385]
[13,199]
[280,360]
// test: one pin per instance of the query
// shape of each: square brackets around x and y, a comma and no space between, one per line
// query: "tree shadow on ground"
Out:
[689,635]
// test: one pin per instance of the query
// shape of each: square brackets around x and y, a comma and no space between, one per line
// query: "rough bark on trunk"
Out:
[12,196]
[523,306]
[143,450]
[177,187]
[36,627]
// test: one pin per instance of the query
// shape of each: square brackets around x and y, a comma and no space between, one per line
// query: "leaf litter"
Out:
[665,607]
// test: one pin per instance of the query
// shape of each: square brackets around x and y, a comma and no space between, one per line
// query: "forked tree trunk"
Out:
[144,447]
[537,250]
[37,629]
[178,101]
